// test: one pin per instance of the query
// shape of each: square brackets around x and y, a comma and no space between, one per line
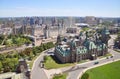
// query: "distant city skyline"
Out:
[21,8]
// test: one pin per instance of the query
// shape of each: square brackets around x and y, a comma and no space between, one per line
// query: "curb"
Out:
[38,58]
[80,75]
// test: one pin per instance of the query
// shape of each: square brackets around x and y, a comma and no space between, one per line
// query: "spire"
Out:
[105,31]
[73,44]
[81,34]
[87,35]
[59,39]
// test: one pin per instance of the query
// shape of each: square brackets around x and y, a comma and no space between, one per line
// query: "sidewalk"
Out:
[51,72]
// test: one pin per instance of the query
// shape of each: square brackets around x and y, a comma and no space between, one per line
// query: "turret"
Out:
[59,39]
[73,50]
[105,35]
[73,45]
[81,38]
[46,32]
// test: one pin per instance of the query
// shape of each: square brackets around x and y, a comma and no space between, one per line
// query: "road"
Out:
[111,41]
[38,72]
[15,48]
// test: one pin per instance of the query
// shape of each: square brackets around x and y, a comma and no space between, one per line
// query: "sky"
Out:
[21,8]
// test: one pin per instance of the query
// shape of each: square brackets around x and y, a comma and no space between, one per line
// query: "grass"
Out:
[83,61]
[109,71]
[50,63]
[85,29]
[105,55]
[60,76]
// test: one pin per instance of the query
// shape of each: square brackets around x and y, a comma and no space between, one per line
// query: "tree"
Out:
[9,64]
[27,51]
[1,66]
[2,57]
[1,38]
[6,65]
[14,61]
[85,76]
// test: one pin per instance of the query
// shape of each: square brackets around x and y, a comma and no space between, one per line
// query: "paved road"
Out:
[111,41]
[15,48]
[37,72]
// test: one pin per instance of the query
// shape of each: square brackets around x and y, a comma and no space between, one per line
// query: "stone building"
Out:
[23,68]
[81,47]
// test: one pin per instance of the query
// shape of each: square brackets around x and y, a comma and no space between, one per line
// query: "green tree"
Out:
[2,57]
[9,64]
[6,65]
[14,62]
[1,66]
[85,76]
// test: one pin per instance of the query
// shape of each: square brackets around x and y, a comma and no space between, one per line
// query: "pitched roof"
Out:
[105,31]
[63,50]
[89,44]
[81,50]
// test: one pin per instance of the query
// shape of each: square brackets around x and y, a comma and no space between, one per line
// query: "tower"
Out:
[73,51]
[59,39]
[58,29]
[80,38]
[32,26]
[105,35]
[46,32]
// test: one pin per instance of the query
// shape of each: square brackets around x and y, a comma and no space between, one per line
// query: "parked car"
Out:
[96,62]
[111,57]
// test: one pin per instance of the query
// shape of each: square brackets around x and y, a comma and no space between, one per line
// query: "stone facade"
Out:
[81,47]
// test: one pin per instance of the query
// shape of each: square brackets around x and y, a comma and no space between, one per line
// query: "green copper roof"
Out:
[62,51]
[105,31]
[81,50]
[89,44]
[104,46]
[73,43]
[92,45]
[101,46]
[81,34]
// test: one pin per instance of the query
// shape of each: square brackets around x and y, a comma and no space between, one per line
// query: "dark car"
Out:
[96,62]
[111,57]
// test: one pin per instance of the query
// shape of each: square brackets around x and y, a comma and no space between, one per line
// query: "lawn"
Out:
[60,76]
[50,63]
[109,71]
[105,55]
[85,29]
